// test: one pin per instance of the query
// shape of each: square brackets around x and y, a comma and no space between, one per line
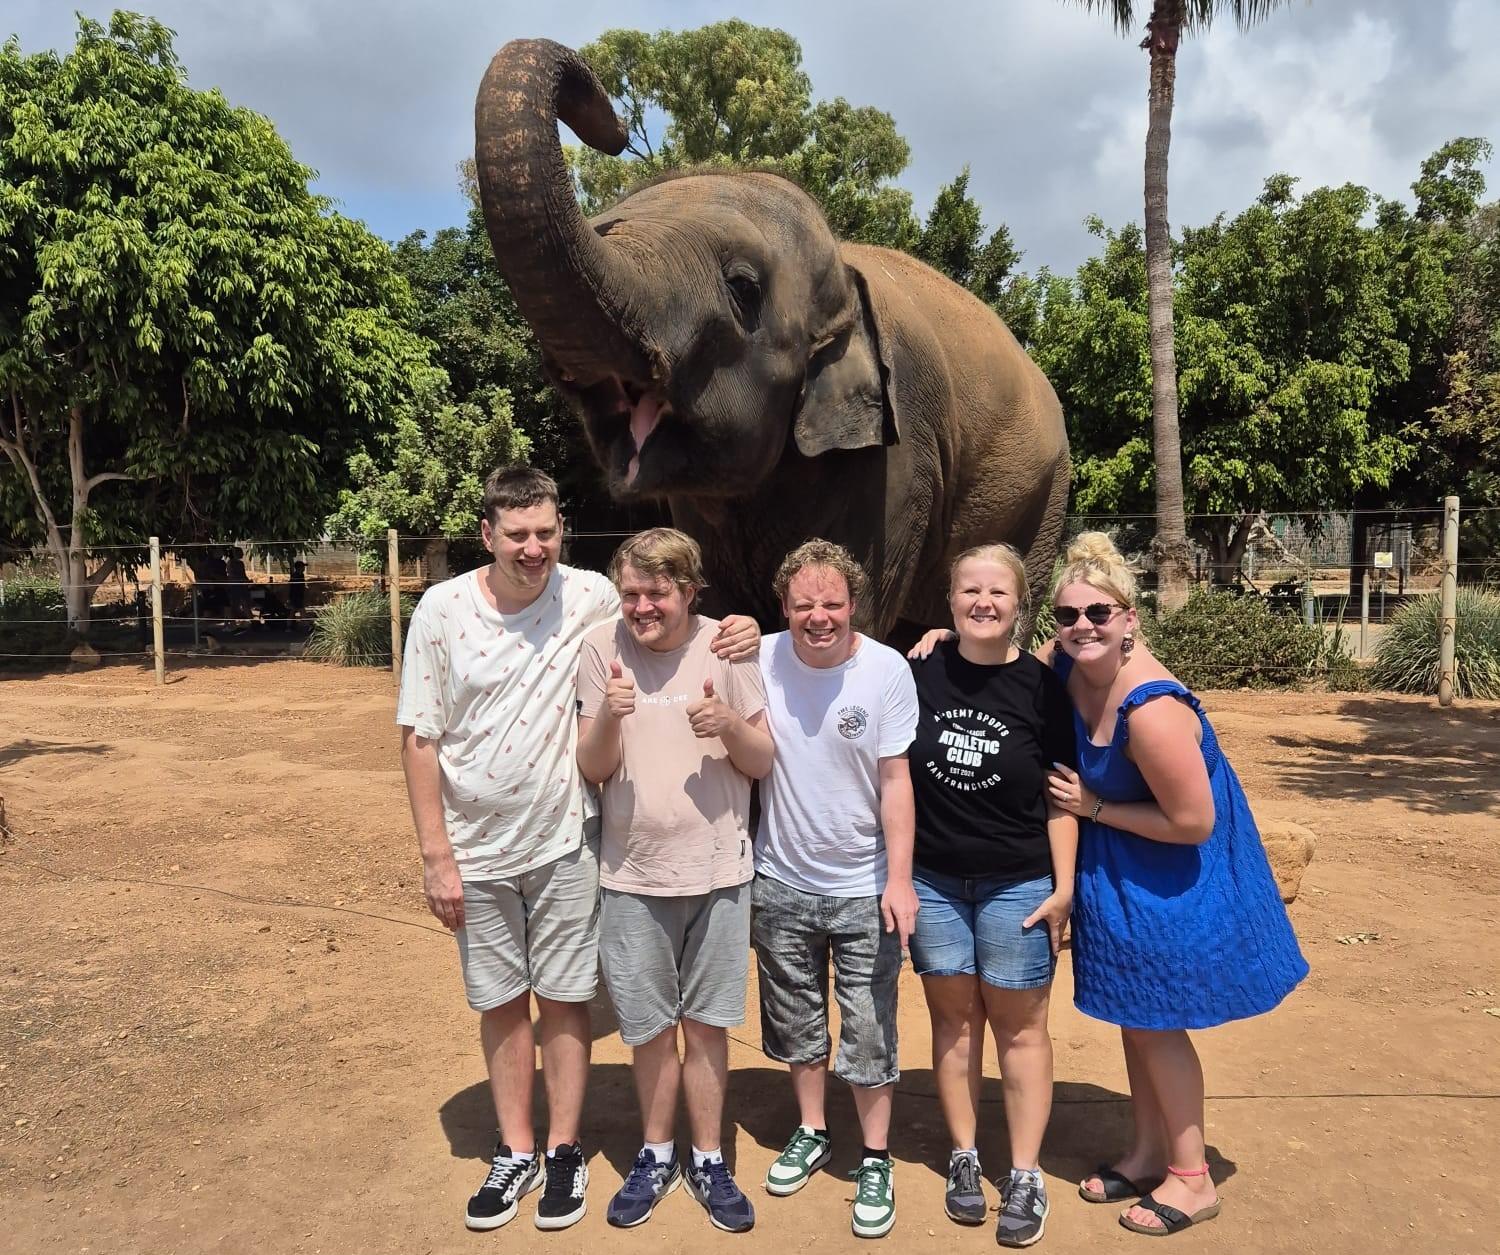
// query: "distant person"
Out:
[675,736]
[509,855]
[1177,922]
[833,867]
[237,587]
[296,593]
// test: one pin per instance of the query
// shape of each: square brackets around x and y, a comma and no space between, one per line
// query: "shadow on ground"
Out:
[1089,1125]
[1436,761]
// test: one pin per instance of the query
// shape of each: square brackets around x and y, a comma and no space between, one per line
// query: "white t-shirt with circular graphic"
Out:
[820,806]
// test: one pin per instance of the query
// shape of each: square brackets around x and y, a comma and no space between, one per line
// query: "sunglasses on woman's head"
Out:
[1100,613]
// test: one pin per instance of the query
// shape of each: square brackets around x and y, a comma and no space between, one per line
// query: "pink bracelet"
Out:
[1188,1172]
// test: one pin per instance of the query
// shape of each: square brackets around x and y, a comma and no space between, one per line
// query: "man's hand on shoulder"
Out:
[738,638]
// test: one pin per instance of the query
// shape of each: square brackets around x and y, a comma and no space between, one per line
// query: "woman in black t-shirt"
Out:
[994,876]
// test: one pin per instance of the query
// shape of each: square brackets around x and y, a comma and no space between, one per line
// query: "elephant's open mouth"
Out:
[628,419]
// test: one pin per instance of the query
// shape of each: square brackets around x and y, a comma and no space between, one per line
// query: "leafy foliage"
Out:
[191,343]
[355,630]
[1406,660]
[427,477]
[1219,640]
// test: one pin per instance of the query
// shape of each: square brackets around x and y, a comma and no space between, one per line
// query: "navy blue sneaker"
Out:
[725,1203]
[648,1183]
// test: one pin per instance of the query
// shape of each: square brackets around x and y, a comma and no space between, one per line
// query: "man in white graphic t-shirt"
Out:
[833,860]
[488,745]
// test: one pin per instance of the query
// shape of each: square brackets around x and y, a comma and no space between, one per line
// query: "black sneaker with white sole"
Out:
[508,1181]
[562,1203]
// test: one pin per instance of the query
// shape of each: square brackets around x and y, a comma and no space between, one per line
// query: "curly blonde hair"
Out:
[1091,558]
[820,553]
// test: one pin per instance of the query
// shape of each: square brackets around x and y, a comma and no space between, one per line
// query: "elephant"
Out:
[728,355]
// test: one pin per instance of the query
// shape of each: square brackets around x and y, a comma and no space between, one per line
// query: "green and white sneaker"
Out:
[804,1155]
[874,1198]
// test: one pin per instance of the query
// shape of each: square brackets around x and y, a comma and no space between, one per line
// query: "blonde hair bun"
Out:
[1092,558]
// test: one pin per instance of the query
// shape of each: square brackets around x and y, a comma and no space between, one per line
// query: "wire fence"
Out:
[1351,570]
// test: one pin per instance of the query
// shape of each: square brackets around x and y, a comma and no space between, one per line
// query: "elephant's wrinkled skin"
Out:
[729,355]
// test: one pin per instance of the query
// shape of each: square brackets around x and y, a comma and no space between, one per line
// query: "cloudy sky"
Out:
[1042,99]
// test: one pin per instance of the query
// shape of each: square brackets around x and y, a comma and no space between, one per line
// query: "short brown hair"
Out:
[516,488]
[660,551]
[820,553]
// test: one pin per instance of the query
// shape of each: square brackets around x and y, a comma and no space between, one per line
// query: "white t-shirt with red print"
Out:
[497,692]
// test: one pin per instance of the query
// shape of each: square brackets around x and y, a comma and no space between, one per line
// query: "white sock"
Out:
[1034,1174]
[701,1157]
[523,1156]
[662,1152]
[963,1150]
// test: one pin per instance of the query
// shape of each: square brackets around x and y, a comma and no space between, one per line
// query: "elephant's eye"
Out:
[744,291]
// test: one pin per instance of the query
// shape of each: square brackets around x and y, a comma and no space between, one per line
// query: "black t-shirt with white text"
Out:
[986,738]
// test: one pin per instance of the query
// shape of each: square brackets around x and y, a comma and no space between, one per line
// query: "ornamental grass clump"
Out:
[355,630]
[1406,660]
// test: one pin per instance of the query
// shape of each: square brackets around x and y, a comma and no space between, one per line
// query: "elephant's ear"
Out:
[849,395]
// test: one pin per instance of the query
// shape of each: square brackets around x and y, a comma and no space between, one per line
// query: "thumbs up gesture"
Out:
[709,716]
[619,693]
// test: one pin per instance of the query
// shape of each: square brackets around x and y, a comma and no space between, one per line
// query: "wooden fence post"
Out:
[393,582]
[157,647]
[1450,602]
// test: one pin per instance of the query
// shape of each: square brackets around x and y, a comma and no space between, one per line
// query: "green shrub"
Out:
[33,621]
[29,595]
[1406,660]
[1220,640]
[355,631]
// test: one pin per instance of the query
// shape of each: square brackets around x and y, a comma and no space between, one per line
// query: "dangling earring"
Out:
[1127,645]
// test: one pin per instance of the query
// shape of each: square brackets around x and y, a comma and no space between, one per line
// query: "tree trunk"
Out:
[435,560]
[1171,546]
[1225,539]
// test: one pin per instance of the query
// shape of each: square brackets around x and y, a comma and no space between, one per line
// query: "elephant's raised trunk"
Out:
[567,282]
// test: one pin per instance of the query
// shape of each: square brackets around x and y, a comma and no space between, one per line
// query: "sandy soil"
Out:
[227,1023]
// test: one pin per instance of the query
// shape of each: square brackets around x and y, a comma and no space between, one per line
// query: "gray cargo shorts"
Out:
[666,959]
[537,931]
[794,933]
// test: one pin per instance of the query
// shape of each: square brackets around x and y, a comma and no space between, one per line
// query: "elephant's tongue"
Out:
[643,419]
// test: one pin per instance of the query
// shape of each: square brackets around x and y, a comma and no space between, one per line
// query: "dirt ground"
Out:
[227,1023]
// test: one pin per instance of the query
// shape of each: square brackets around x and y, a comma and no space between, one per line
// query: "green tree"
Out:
[953,241]
[734,94]
[191,343]
[426,476]
[1290,332]
[1168,22]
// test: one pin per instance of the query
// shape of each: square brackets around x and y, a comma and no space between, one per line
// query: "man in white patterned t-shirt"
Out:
[488,745]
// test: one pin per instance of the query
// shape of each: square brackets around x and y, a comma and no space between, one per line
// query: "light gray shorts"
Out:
[669,959]
[536,931]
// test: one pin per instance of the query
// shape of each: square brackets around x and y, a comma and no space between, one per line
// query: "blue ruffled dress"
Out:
[1174,936]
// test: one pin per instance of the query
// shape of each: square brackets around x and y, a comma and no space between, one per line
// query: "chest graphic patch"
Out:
[968,753]
[853,720]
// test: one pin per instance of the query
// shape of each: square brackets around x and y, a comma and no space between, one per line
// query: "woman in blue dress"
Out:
[1177,923]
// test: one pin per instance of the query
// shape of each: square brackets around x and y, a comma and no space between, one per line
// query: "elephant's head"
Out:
[696,323]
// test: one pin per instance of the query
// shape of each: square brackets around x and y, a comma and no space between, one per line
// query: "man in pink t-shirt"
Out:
[674,735]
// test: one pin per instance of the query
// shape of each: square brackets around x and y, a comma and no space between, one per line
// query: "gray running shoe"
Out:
[964,1201]
[1023,1209]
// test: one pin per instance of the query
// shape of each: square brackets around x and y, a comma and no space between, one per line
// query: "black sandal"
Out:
[1172,1220]
[1117,1187]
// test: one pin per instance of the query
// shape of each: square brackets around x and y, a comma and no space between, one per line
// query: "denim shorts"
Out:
[795,933]
[969,926]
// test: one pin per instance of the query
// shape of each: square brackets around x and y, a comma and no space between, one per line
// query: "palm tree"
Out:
[1169,21]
